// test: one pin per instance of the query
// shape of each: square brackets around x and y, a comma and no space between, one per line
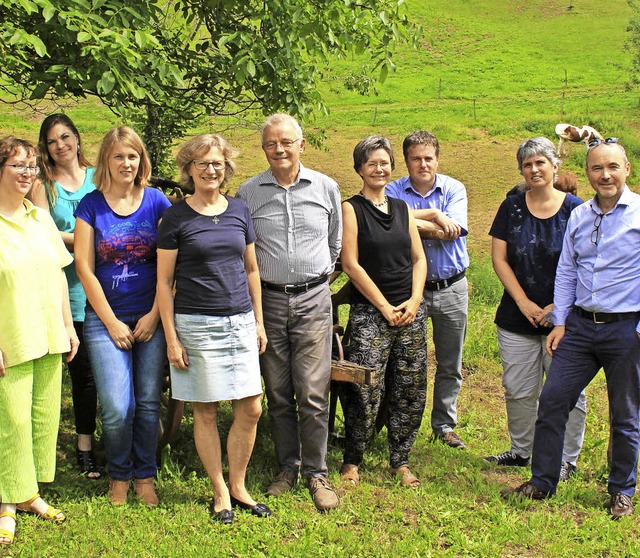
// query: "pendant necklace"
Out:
[215,220]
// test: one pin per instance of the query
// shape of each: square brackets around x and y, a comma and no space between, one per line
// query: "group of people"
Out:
[235,290]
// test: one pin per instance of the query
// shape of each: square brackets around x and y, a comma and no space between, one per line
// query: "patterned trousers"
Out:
[399,355]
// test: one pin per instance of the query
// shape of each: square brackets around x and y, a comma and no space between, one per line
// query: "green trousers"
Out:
[29,420]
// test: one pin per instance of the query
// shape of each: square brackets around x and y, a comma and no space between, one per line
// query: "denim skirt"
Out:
[223,358]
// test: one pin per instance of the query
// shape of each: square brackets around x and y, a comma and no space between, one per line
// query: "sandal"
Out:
[349,474]
[6,536]
[52,514]
[87,464]
[407,478]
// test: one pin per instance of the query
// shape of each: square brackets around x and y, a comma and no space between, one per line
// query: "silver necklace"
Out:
[374,204]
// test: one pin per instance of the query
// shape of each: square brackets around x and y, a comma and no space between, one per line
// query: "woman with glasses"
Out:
[214,327]
[527,235]
[115,249]
[35,329]
[66,177]
[383,256]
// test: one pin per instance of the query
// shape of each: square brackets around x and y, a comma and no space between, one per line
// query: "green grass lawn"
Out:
[511,58]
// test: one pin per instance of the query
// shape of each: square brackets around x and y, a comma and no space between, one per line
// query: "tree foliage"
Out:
[166,64]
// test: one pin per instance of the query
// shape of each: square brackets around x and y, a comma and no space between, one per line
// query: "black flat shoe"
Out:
[87,464]
[259,510]
[223,516]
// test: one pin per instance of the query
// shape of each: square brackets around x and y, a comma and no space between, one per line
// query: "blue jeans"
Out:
[448,310]
[584,349]
[128,385]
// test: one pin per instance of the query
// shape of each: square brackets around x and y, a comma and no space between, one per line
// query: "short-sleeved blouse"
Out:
[533,250]
[210,275]
[32,256]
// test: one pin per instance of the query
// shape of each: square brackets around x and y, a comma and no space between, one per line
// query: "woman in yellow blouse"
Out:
[35,329]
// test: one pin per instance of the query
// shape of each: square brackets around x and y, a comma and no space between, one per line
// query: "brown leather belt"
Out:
[607,318]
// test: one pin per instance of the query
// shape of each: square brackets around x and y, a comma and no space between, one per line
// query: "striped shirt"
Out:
[298,229]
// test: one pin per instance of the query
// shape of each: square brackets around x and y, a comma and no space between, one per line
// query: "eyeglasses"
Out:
[608,141]
[21,168]
[596,224]
[286,144]
[204,165]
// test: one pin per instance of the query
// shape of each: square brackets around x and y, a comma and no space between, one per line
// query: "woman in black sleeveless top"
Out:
[383,256]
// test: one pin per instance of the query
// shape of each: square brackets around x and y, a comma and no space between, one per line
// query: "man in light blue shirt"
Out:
[597,324]
[439,204]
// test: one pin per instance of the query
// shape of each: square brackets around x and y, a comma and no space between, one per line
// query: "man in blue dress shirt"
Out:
[596,317]
[439,204]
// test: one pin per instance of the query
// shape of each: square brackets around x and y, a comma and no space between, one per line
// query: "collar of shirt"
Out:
[270,180]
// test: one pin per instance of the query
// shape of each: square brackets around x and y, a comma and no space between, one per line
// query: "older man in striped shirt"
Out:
[297,219]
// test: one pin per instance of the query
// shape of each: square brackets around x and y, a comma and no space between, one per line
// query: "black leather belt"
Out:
[605,318]
[443,283]
[296,289]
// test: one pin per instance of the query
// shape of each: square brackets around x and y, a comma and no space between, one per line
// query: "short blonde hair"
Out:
[129,138]
[197,147]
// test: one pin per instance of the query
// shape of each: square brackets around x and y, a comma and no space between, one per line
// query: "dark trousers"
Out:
[83,387]
[585,348]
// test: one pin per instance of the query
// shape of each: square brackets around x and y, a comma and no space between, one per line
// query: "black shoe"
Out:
[259,510]
[567,471]
[508,459]
[223,516]
[525,490]
[87,464]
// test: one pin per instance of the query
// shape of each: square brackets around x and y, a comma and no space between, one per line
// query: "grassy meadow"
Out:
[485,76]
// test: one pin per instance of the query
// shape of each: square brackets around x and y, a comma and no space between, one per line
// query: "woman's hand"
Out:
[262,338]
[2,369]
[74,342]
[177,355]
[121,335]
[541,319]
[407,310]
[390,313]
[530,310]
[146,327]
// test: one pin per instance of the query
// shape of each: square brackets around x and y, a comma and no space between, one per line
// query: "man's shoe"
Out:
[508,459]
[324,497]
[284,481]
[525,490]
[620,505]
[451,439]
[567,471]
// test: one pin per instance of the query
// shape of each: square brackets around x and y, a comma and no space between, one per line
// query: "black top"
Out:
[384,249]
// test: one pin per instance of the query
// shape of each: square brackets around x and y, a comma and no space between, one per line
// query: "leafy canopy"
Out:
[173,62]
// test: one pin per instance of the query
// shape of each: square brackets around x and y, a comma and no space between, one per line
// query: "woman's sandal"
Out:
[6,536]
[87,464]
[407,478]
[349,474]
[52,514]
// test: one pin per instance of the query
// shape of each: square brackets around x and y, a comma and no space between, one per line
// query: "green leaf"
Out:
[48,12]
[83,37]
[107,83]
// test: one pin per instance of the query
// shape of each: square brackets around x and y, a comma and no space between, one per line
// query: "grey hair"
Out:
[590,149]
[538,146]
[363,150]
[281,118]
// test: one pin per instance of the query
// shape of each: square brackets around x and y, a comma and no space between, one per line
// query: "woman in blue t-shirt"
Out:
[206,249]
[115,243]
[66,176]
[527,240]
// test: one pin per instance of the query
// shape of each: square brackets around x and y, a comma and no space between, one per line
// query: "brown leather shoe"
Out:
[284,481]
[620,505]
[145,490]
[118,491]
[324,497]
[452,440]
[526,490]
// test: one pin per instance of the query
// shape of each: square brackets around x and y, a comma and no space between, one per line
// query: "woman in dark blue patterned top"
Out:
[527,239]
